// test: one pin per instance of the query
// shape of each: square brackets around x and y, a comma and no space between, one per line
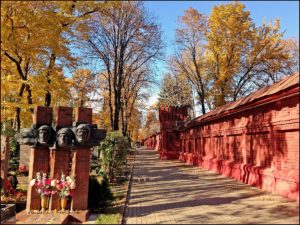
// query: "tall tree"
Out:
[133,92]
[228,35]
[27,55]
[240,54]
[122,37]
[189,58]
[175,91]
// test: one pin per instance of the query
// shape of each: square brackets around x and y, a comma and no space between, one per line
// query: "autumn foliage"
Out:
[226,56]
[101,54]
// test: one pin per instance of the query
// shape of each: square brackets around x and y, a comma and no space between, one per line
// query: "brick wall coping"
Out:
[284,88]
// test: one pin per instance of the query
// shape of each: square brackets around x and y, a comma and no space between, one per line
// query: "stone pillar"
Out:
[81,165]
[39,157]
[4,159]
[60,157]
[80,168]
[39,162]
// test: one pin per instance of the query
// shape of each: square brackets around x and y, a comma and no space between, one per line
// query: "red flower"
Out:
[48,182]
[60,186]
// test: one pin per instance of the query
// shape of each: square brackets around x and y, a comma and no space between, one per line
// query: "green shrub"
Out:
[99,193]
[114,150]
[14,147]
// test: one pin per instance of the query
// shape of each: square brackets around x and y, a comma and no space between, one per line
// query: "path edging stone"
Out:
[123,220]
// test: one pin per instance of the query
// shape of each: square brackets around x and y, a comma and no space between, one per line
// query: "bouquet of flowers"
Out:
[44,185]
[65,186]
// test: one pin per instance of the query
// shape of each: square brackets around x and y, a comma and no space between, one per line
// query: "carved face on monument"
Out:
[64,137]
[44,134]
[83,133]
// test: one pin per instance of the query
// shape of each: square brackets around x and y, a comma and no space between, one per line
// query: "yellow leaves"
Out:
[235,52]
[32,34]
[82,85]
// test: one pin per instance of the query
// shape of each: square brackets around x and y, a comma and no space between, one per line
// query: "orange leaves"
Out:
[194,20]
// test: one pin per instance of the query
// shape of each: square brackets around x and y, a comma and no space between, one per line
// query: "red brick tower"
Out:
[169,118]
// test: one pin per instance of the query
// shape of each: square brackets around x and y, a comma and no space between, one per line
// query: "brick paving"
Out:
[170,192]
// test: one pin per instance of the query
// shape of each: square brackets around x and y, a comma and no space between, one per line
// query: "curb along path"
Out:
[170,192]
[123,218]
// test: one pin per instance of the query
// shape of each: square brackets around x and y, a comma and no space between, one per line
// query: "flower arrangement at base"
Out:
[45,187]
[65,187]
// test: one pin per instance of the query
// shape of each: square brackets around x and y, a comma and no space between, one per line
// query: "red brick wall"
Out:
[169,117]
[254,140]
[258,145]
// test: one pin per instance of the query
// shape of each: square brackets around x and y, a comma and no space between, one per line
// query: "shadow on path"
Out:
[168,191]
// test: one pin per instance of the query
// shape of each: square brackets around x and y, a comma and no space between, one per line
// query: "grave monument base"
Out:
[52,218]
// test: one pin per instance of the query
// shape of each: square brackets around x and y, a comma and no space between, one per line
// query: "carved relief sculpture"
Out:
[87,135]
[64,138]
[42,136]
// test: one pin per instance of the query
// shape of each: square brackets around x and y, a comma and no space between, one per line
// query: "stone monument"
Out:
[63,148]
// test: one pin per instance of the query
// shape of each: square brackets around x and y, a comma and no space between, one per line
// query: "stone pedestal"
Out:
[39,157]
[60,157]
[59,163]
[39,162]
[80,169]
[81,165]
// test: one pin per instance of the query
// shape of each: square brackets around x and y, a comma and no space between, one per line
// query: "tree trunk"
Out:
[29,97]
[203,105]
[17,125]
[50,68]
[116,118]
[123,121]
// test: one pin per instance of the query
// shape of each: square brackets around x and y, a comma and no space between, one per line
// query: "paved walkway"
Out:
[170,192]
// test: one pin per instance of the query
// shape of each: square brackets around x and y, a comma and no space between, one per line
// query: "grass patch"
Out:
[111,218]
[111,215]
